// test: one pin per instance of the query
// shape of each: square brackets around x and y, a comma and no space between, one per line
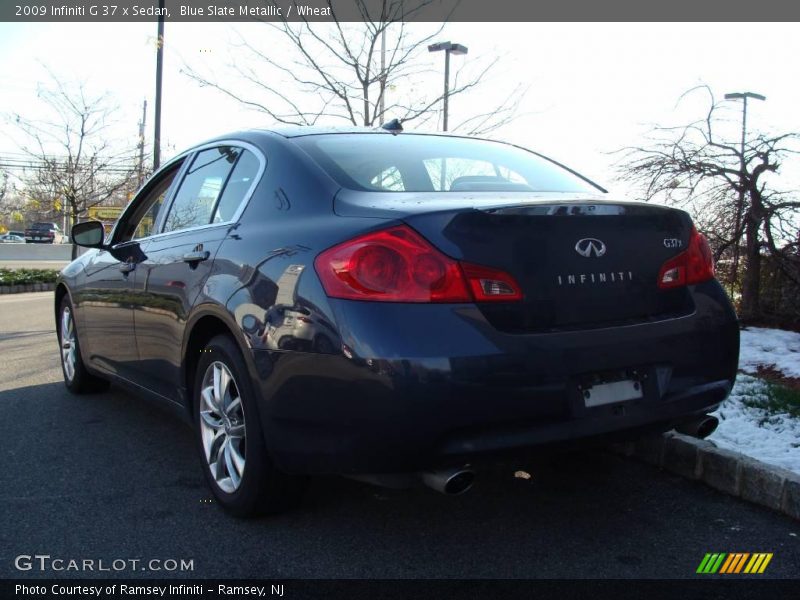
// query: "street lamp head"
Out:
[448,47]
[743,95]
[439,46]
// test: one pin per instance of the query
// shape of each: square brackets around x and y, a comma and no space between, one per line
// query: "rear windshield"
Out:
[44,226]
[427,163]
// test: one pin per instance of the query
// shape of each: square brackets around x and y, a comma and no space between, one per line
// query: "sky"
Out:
[593,88]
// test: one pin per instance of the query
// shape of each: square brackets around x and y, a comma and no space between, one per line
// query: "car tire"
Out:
[234,456]
[77,378]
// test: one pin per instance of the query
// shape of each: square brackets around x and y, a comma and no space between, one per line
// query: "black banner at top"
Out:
[105,11]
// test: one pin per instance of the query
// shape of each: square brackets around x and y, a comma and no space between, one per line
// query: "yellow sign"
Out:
[105,213]
[108,215]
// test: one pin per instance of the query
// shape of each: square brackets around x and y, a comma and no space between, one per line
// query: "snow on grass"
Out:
[746,424]
[767,436]
[766,347]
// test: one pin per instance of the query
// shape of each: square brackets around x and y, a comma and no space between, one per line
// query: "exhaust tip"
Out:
[459,483]
[450,481]
[701,427]
[707,426]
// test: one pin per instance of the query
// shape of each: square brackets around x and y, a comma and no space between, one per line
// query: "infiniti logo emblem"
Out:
[588,247]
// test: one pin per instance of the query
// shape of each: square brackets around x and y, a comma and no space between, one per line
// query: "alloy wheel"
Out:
[68,347]
[222,427]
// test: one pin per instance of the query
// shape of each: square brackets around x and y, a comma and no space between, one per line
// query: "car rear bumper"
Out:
[436,385]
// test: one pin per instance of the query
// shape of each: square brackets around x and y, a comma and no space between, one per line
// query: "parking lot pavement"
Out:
[108,477]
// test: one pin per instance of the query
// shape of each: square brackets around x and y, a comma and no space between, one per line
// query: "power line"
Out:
[44,167]
[12,163]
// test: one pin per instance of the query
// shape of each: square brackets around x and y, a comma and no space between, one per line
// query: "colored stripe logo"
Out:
[734,563]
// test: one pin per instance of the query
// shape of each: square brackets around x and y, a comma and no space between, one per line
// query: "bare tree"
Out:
[695,167]
[12,204]
[73,164]
[340,73]
[3,186]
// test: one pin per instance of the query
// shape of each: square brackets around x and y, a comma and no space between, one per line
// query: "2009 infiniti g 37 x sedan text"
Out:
[392,305]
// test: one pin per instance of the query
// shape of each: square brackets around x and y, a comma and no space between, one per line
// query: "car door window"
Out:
[147,223]
[239,183]
[140,219]
[201,187]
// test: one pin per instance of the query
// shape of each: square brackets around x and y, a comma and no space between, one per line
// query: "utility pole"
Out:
[738,225]
[141,142]
[159,70]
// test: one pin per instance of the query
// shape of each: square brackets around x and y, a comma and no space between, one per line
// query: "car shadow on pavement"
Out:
[111,475]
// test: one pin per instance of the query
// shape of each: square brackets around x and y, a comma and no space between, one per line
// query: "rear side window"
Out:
[239,183]
[432,163]
[201,187]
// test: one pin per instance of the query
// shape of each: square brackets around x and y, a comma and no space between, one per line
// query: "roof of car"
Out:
[293,131]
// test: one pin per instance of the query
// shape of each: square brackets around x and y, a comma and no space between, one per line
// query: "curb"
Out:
[730,472]
[27,287]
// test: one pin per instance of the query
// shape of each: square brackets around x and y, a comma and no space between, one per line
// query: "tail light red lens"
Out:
[399,265]
[491,285]
[693,265]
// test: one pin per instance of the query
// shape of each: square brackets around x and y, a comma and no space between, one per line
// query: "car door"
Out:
[178,262]
[105,300]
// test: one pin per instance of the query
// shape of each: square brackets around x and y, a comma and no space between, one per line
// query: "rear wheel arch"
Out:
[202,329]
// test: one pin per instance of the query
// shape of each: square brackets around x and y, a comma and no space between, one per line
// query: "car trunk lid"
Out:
[581,263]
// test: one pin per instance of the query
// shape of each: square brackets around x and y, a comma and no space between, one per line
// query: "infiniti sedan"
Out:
[392,307]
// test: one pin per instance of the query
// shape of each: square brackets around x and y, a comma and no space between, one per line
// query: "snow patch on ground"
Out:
[771,438]
[766,347]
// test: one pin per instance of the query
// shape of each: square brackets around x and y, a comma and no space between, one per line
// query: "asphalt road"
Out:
[110,476]
[35,256]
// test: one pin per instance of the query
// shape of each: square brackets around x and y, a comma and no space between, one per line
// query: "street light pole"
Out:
[382,104]
[446,87]
[448,48]
[743,96]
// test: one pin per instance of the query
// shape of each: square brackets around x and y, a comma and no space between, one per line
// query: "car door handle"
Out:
[127,267]
[196,256]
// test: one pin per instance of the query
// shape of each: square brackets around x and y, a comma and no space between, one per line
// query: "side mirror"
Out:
[90,234]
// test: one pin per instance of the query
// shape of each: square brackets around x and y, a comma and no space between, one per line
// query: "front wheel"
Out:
[76,377]
[235,460]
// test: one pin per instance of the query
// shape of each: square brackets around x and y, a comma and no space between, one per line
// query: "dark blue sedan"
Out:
[392,306]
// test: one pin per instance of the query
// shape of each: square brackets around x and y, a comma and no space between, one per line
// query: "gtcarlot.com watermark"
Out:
[48,563]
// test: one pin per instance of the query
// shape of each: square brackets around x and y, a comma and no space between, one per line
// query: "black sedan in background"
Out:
[392,306]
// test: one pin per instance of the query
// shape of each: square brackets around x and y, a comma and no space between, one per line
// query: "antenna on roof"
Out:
[394,126]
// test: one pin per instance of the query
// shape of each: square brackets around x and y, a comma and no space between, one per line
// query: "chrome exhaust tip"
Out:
[700,427]
[449,481]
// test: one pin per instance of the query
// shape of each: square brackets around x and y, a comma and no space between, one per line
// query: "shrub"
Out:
[25,276]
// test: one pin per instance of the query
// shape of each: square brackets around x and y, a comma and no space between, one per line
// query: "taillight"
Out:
[491,285]
[399,265]
[693,265]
